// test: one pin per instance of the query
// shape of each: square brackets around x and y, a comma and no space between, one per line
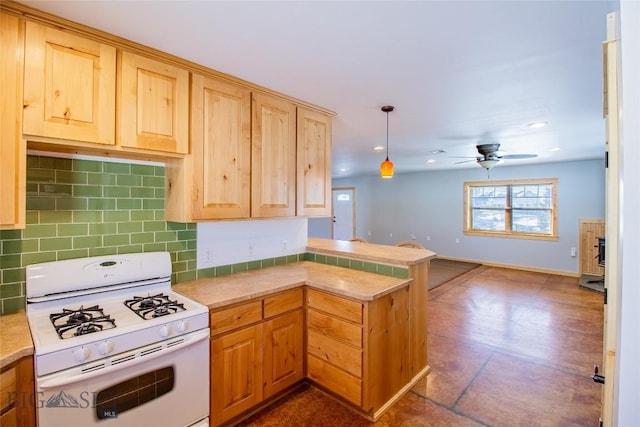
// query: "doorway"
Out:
[343,225]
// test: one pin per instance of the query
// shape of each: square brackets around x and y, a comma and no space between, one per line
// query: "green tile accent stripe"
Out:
[356,264]
[80,208]
[224,270]
[384,269]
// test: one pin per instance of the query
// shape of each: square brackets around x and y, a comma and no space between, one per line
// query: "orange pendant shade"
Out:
[386,169]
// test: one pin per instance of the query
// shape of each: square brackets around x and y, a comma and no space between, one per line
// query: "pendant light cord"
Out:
[387,135]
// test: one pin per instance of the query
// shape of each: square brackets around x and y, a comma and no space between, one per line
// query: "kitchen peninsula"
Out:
[351,319]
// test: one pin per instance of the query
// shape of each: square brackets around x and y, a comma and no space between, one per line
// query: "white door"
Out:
[344,213]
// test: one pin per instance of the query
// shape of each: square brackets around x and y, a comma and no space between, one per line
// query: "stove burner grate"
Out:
[153,306]
[72,323]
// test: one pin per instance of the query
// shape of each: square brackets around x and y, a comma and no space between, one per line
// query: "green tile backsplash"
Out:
[79,208]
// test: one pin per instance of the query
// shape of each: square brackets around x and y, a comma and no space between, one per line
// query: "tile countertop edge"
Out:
[369,251]
[239,287]
[15,337]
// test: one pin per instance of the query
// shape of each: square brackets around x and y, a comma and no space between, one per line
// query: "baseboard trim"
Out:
[515,267]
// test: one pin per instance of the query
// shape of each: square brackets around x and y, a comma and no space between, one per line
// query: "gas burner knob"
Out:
[181,326]
[105,347]
[82,354]
[165,331]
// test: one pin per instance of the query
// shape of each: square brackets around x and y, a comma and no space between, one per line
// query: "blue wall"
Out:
[429,206]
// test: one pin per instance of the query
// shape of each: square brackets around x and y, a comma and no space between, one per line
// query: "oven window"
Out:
[133,392]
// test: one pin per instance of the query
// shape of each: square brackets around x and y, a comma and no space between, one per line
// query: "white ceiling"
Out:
[458,72]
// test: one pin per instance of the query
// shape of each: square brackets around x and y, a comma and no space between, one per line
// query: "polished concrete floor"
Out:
[506,348]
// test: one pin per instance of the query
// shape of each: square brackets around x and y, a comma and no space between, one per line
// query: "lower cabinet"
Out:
[283,352]
[256,352]
[334,344]
[236,373]
[17,407]
[360,351]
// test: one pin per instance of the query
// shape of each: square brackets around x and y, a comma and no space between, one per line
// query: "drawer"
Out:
[337,306]
[335,328]
[234,317]
[281,303]
[7,387]
[335,352]
[334,379]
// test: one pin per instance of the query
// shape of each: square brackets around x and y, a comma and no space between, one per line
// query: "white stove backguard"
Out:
[52,280]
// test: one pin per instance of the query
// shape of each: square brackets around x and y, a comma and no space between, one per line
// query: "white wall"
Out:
[429,207]
[628,375]
[231,242]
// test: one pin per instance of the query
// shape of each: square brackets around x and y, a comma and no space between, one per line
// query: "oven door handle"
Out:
[61,381]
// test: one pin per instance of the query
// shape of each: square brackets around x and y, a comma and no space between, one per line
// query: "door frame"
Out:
[353,210]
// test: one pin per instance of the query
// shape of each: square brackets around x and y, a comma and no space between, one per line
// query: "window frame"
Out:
[467,230]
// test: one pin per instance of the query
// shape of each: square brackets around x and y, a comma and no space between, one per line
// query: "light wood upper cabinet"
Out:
[13,155]
[153,105]
[273,161]
[314,163]
[69,86]
[214,181]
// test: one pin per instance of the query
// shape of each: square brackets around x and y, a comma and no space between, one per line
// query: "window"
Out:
[523,208]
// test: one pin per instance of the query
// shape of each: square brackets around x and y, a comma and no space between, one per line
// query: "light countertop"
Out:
[15,338]
[237,287]
[370,252]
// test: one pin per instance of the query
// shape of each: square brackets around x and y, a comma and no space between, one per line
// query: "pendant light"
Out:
[386,167]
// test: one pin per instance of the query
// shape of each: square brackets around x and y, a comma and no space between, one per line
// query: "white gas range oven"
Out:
[115,346]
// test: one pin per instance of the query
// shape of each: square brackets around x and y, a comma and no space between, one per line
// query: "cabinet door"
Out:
[590,231]
[221,149]
[236,373]
[69,86]
[283,352]
[273,161]
[13,155]
[17,392]
[154,105]
[314,163]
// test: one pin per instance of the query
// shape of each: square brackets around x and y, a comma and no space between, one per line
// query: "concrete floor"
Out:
[506,348]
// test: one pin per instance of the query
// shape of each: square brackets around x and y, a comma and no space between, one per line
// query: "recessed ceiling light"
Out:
[343,169]
[378,147]
[537,125]
[438,151]
[554,148]
[431,161]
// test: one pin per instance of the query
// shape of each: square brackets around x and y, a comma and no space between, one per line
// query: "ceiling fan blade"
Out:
[466,161]
[463,157]
[518,156]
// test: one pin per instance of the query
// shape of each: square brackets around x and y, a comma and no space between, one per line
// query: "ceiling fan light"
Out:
[386,169]
[488,163]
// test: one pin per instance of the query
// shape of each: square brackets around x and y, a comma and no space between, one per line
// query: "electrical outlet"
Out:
[574,252]
[208,254]
[428,237]
[390,234]
[413,237]
[283,245]
[368,233]
[457,240]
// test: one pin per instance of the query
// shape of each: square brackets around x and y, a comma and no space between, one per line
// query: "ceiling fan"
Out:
[489,156]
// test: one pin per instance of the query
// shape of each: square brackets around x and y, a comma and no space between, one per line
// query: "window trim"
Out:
[467,230]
